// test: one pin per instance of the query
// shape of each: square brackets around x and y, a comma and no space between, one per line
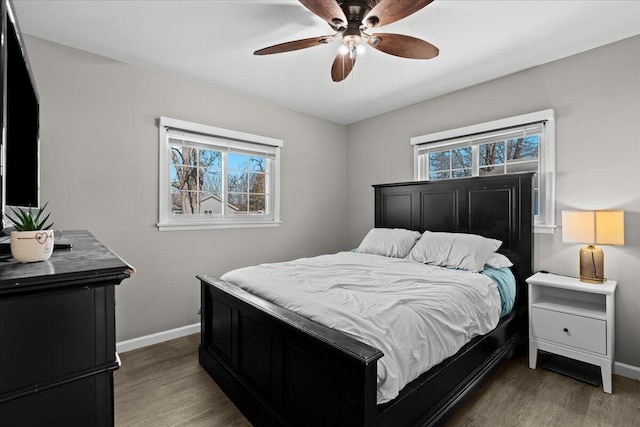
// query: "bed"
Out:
[280,368]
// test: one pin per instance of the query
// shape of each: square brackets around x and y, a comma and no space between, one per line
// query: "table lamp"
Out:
[593,228]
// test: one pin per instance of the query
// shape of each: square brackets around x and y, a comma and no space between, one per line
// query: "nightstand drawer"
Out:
[581,332]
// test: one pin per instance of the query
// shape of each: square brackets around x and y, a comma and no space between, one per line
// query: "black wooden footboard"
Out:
[280,368]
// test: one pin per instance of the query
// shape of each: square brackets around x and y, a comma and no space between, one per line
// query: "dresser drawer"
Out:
[581,332]
[54,336]
[82,402]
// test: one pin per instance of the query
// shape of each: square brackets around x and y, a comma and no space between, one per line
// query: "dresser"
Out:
[572,319]
[57,336]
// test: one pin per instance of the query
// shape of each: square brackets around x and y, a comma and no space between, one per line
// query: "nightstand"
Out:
[572,319]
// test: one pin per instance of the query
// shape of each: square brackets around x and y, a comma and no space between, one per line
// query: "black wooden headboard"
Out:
[499,207]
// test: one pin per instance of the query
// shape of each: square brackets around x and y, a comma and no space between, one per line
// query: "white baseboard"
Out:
[625,370]
[135,343]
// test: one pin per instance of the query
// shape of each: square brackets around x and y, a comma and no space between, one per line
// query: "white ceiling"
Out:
[212,42]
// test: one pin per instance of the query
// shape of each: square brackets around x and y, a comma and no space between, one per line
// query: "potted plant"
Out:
[32,240]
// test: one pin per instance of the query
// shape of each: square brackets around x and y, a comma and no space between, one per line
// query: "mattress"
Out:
[416,314]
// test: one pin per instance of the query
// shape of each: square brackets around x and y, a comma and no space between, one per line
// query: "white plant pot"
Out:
[31,246]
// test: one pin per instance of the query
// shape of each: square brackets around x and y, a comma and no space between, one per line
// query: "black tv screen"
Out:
[22,163]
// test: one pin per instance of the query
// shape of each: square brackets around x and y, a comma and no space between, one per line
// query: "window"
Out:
[216,178]
[517,144]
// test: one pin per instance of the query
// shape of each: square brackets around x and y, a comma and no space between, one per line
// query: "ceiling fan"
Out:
[351,19]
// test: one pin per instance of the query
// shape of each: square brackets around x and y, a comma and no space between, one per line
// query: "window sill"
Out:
[209,226]
[544,229]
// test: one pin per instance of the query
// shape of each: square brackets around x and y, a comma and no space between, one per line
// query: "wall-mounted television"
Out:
[20,118]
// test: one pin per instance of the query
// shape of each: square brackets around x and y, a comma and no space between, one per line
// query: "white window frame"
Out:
[169,222]
[545,222]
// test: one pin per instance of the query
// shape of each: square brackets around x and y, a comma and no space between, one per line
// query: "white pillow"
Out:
[391,242]
[456,250]
[497,260]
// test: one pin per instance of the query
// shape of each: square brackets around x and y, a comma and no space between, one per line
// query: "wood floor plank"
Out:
[164,385]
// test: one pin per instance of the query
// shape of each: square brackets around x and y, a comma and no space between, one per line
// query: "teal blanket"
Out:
[503,277]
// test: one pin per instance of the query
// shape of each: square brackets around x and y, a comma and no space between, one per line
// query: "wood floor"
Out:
[163,385]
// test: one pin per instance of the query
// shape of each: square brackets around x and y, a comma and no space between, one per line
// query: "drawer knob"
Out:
[566,330]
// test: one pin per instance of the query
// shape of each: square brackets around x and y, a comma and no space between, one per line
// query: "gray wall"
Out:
[99,156]
[596,97]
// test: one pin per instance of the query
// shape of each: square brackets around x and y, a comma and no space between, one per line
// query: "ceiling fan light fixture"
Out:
[351,36]
[360,50]
[353,49]
[343,50]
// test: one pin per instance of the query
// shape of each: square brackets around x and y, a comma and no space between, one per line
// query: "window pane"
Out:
[258,164]
[183,155]
[461,158]
[238,162]
[257,183]
[459,173]
[212,181]
[439,160]
[237,204]
[175,181]
[257,204]
[491,154]
[210,204]
[210,159]
[523,148]
[439,175]
[238,181]
[184,202]
[184,178]
[176,202]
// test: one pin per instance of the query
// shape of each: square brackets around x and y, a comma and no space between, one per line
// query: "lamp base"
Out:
[591,264]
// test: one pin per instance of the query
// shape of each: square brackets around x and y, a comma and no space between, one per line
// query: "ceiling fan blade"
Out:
[329,10]
[388,11]
[403,46]
[294,45]
[342,66]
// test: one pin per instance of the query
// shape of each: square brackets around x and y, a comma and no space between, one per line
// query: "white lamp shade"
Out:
[610,228]
[578,227]
[593,227]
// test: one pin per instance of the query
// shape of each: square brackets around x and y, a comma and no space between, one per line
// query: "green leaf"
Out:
[25,221]
[39,225]
[13,220]
[40,211]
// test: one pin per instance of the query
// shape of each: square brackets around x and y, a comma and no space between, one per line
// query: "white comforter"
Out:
[417,314]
